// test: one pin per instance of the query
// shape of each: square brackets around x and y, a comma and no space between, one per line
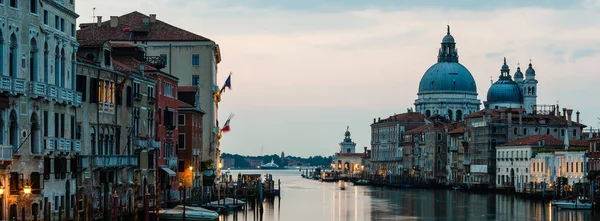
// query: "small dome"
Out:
[518,74]
[448,38]
[530,71]
[447,76]
[504,90]
[347,134]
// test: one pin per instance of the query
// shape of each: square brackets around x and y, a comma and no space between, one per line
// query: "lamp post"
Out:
[115,206]
[469,181]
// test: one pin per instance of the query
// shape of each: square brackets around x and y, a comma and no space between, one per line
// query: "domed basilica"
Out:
[447,88]
[517,93]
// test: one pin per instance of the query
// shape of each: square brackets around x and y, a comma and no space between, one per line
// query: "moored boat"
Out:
[270,166]
[192,213]
[573,204]
[360,182]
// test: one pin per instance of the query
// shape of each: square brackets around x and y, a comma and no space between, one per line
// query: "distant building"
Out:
[228,163]
[388,152]
[517,93]
[346,160]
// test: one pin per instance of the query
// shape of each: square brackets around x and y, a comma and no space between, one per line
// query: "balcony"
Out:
[76,145]
[5,84]
[6,152]
[196,152]
[172,162]
[37,89]
[51,143]
[114,161]
[18,86]
[78,99]
[65,96]
[155,144]
[142,143]
[51,92]
[151,100]
[454,148]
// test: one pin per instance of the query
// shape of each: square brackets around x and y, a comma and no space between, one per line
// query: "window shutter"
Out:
[129,101]
[93,90]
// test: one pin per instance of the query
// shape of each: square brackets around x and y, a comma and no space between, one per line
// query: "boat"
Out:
[569,198]
[270,166]
[328,177]
[343,187]
[360,183]
[573,204]
[456,187]
[192,213]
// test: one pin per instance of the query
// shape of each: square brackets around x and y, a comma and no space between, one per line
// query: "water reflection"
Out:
[311,200]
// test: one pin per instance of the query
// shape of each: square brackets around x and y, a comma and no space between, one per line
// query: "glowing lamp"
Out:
[27,190]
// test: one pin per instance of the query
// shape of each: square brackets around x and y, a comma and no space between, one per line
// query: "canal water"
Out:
[303,199]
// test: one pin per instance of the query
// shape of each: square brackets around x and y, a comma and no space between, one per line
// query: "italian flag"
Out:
[226,127]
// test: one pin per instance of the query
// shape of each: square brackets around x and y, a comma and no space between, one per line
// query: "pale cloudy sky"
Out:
[304,70]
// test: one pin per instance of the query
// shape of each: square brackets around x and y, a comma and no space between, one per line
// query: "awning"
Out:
[169,171]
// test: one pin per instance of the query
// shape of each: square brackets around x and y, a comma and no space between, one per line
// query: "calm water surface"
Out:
[303,199]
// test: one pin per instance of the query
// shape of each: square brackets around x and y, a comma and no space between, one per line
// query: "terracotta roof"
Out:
[183,104]
[579,143]
[419,129]
[459,130]
[129,64]
[130,28]
[122,45]
[549,140]
[186,89]
[406,117]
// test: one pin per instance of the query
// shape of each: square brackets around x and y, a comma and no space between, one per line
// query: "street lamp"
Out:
[27,190]
[1,190]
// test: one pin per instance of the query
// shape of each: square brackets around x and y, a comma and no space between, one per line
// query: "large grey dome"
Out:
[447,77]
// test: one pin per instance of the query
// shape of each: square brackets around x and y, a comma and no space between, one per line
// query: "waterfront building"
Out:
[594,157]
[387,142]
[490,128]
[189,150]
[517,93]
[38,101]
[568,161]
[456,155]
[447,88]
[347,161]
[187,56]
[115,126]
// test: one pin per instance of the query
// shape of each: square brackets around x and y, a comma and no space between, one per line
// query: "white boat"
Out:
[191,213]
[271,165]
[573,204]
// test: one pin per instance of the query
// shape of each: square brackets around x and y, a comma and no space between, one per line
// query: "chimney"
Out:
[99,20]
[577,114]
[569,114]
[520,116]
[114,21]
[152,18]
[564,113]
[374,120]
[379,119]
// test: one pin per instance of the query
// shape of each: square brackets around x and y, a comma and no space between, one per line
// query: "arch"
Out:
[13,212]
[459,115]
[33,60]
[450,115]
[532,90]
[35,209]
[35,134]
[13,58]
[73,70]
[428,113]
[56,66]
[46,56]
[512,177]
[528,90]
[93,140]
[14,129]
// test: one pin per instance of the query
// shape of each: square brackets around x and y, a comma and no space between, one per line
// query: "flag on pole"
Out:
[227,83]
[226,127]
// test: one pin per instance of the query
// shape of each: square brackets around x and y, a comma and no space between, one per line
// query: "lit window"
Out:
[106,96]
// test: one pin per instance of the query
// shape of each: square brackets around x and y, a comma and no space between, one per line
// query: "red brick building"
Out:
[594,157]
[189,122]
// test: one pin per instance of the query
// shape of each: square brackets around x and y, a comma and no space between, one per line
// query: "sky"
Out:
[304,70]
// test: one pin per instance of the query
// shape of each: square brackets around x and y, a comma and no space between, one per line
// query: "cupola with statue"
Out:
[347,146]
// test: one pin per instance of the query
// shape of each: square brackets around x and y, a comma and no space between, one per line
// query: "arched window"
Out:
[13,56]
[1,50]
[56,66]
[427,113]
[14,130]
[33,57]
[515,131]
[93,140]
[459,115]
[46,52]
[34,137]
[63,73]
[532,90]
[449,114]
